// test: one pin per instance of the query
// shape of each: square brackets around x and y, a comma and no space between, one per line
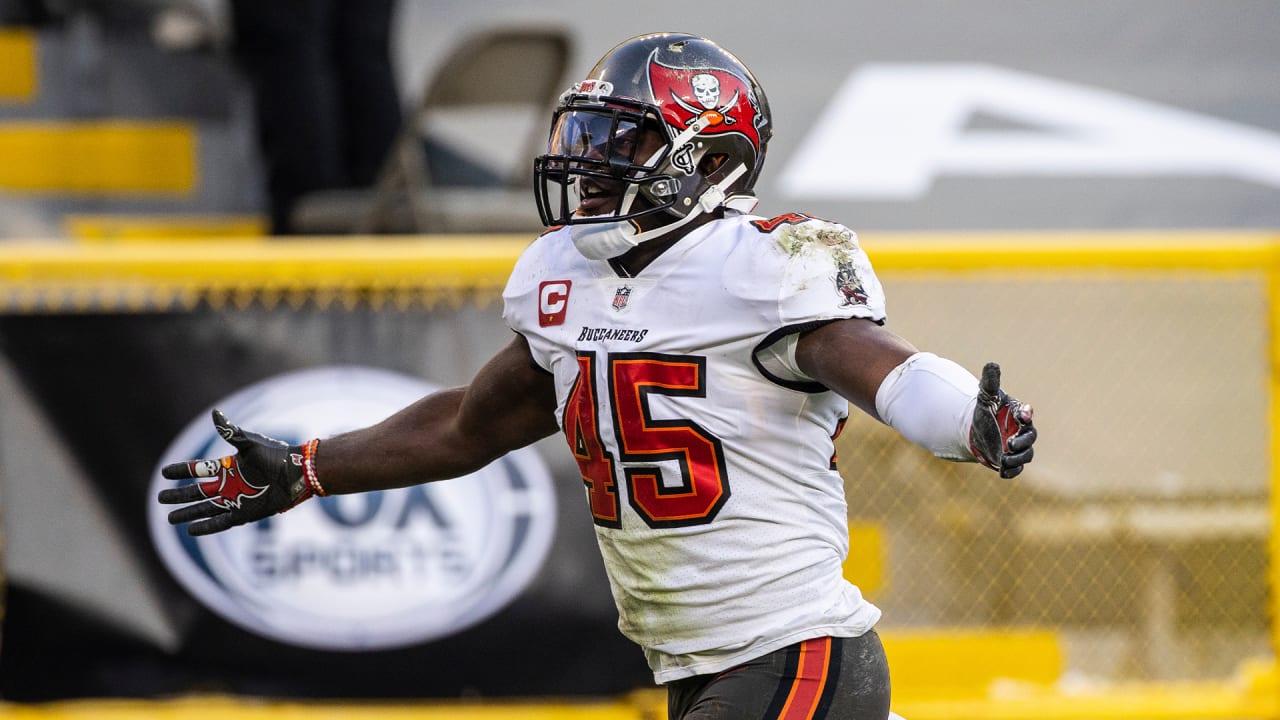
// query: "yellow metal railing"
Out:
[483,262]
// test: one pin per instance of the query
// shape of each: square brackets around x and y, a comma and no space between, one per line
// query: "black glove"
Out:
[1002,434]
[266,476]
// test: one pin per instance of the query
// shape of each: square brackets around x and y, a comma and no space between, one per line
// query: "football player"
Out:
[699,361]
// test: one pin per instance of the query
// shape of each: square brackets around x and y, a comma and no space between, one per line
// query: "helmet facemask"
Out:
[594,160]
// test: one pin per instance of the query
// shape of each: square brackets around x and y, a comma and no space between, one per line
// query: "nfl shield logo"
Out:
[621,296]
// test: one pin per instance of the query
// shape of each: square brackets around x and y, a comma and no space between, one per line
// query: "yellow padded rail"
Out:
[1197,701]
[226,708]
[350,261]
[44,276]
[49,276]
[19,67]
[98,157]
[338,262]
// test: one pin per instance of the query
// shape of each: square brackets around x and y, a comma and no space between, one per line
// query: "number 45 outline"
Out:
[633,377]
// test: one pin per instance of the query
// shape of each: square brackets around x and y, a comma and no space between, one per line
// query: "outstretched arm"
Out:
[509,404]
[931,401]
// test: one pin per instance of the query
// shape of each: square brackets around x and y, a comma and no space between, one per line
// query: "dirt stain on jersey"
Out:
[797,239]
[840,243]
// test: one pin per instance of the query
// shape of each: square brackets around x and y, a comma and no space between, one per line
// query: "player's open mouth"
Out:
[596,197]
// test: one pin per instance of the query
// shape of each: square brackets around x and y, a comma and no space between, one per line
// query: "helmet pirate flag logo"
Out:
[721,99]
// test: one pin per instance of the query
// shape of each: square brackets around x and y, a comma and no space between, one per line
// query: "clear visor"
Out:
[597,136]
[602,166]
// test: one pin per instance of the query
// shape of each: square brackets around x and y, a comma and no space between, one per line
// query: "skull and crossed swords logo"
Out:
[706,91]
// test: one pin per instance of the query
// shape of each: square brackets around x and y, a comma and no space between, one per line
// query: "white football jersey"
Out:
[708,462]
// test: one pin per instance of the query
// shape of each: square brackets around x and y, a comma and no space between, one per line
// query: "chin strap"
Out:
[714,196]
[744,204]
[602,241]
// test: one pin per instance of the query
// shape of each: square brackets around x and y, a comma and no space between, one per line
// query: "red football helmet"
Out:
[710,126]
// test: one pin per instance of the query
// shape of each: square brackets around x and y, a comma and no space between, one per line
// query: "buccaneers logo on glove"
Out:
[228,488]
[222,495]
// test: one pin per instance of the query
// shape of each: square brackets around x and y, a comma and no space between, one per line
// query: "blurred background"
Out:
[305,211]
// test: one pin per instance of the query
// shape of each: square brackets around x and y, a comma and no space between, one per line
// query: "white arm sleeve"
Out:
[930,401]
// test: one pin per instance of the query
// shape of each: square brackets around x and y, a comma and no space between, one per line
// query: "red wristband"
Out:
[309,467]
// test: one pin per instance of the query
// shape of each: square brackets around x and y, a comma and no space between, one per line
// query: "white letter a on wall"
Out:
[892,129]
